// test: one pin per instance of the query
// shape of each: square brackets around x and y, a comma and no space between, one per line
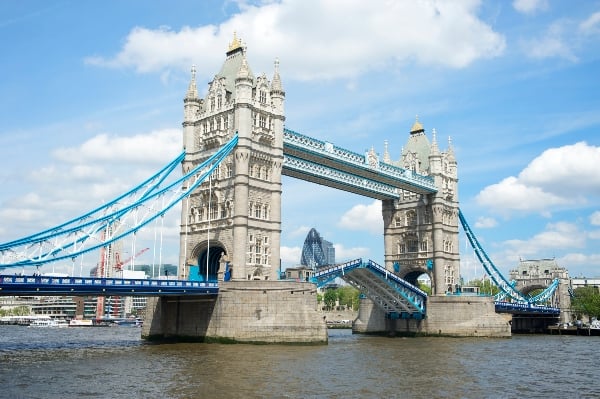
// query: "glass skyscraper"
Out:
[316,251]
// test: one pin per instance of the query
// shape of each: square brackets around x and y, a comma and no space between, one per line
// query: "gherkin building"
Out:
[316,251]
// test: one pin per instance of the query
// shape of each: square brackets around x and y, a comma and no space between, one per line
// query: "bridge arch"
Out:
[209,259]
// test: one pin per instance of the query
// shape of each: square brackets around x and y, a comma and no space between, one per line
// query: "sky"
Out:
[92,103]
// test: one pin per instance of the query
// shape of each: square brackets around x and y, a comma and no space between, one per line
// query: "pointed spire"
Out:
[276,85]
[450,152]
[386,154]
[192,92]
[417,127]
[235,43]
[434,145]
[244,71]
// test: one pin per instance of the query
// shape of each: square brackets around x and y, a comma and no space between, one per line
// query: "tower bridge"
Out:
[236,150]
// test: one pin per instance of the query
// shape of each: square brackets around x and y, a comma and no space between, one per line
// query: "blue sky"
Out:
[91,104]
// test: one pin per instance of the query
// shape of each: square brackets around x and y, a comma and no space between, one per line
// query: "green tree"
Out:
[348,296]
[330,297]
[486,286]
[586,302]
[424,287]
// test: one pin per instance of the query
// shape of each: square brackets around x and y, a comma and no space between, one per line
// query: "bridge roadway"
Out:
[320,162]
[15,285]
[397,297]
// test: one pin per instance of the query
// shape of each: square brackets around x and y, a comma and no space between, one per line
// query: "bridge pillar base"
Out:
[243,311]
[457,316]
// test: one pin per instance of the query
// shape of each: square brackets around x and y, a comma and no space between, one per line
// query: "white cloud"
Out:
[595,218]
[530,6]
[447,34]
[363,218]
[343,254]
[557,237]
[290,256]
[556,42]
[591,25]
[485,223]
[559,178]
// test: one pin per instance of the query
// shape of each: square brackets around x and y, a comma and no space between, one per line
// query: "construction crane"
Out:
[119,263]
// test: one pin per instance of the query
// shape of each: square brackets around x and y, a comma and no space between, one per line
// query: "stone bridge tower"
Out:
[537,274]
[421,231]
[235,218]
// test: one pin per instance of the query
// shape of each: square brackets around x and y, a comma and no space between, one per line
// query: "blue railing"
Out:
[44,285]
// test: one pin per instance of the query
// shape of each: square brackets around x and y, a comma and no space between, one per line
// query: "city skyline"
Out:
[93,104]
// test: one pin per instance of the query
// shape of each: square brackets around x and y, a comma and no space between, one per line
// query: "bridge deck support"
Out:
[458,316]
[244,311]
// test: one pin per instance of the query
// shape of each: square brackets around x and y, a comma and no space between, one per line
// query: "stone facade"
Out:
[236,215]
[455,316]
[421,231]
[244,311]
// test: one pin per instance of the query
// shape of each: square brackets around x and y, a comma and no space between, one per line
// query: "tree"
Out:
[486,286]
[586,302]
[330,298]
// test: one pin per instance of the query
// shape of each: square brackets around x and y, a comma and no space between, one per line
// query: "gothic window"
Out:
[250,207]
[212,103]
[213,211]
[226,122]
[412,245]
[397,222]
[257,210]
[411,218]
[229,170]
[426,216]
[263,97]
[266,240]
[424,246]
[258,251]
[262,121]
[223,211]
[401,248]
[265,212]
[219,101]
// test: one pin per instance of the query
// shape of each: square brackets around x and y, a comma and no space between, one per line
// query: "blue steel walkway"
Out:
[398,298]
[96,286]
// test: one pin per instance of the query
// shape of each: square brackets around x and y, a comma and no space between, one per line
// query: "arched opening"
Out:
[419,279]
[209,263]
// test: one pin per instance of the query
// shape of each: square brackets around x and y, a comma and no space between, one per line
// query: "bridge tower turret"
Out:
[421,231]
[234,220]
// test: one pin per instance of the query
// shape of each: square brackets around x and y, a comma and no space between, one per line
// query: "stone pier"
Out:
[456,316]
[244,311]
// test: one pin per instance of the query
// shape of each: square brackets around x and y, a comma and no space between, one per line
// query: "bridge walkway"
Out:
[397,297]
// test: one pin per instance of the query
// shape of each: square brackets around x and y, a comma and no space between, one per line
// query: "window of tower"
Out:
[424,246]
[257,209]
[212,103]
[412,245]
[411,218]
[397,222]
[262,121]
[263,97]
[219,101]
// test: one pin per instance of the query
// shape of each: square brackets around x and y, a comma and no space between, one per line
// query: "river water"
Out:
[116,363]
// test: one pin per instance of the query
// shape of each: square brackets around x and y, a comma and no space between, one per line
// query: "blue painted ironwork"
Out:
[397,297]
[113,221]
[347,170]
[507,288]
[525,308]
[96,286]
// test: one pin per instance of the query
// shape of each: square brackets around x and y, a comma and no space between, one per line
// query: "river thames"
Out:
[114,362]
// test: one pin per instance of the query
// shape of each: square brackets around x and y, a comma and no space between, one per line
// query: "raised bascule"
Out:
[236,150]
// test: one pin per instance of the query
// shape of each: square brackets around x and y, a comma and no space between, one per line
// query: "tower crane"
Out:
[119,263]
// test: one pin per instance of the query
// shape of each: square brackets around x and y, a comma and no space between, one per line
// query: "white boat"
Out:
[81,323]
[49,323]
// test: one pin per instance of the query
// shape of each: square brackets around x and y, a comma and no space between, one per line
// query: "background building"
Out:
[316,251]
